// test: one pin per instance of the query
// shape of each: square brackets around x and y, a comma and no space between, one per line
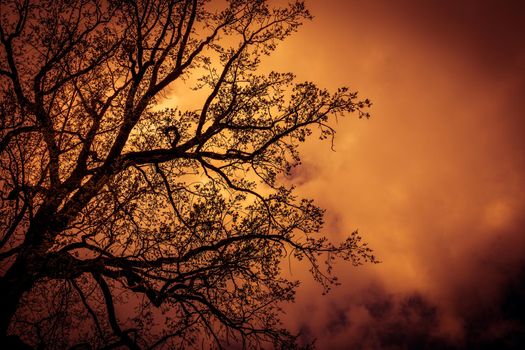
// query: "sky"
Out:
[433,181]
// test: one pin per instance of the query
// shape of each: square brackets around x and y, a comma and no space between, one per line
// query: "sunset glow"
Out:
[244,174]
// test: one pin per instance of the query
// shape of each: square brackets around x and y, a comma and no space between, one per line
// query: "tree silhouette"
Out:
[126,224]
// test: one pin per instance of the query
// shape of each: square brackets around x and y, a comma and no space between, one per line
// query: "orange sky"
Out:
[434,180]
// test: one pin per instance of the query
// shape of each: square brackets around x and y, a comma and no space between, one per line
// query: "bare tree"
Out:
[124,224]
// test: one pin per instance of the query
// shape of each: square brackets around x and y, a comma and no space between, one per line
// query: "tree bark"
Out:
[13,285]
[25,271]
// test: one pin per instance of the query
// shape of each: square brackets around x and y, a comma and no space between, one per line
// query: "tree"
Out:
[126,224]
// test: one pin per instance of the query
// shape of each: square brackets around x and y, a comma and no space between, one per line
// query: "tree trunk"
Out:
[13,285]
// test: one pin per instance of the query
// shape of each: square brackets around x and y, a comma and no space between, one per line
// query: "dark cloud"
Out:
[300,175]
[386,321]
[376,319]
[500,324]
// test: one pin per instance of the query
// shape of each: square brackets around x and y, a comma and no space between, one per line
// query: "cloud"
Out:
[434,180]
[376,319]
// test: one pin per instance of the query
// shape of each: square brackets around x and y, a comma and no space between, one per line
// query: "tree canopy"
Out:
[128,221]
